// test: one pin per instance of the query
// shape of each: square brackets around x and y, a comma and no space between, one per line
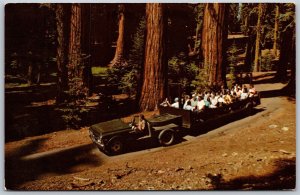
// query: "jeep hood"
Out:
[109,126]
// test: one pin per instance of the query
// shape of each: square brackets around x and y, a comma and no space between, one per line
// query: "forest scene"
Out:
[150,96]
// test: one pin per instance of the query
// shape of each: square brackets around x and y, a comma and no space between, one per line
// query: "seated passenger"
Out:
[194,101]
[188,106]
[252,91]
[239,92]
[165,103]
[176,103]
[140,127]
[227,98]
[207,101]
[244,94]
[186,99]
[200,104]
[213,101]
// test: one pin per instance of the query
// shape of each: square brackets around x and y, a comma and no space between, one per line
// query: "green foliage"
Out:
[99,71]
[124,74]
[232,59]
[180,70]
[266,61]
[201,80]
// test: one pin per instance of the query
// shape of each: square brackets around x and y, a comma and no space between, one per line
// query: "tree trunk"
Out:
[61,11]
[74,66]
[257,42]
[155,66]
[285,54]
[120,41]
[276,30]
[214,36]
[86,46]
[30,73]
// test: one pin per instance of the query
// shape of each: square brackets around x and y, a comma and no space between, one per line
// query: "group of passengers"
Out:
[213,99]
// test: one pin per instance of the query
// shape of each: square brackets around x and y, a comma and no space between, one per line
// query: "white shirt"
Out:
[244,96]
[201,104]
[188,107]
[175,105]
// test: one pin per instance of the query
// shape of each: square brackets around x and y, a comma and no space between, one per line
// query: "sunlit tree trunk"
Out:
[276,30]
[155,67]
[214,36]
[257,42]
[120,41]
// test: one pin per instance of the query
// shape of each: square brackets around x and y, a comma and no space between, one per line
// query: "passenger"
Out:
[244,94]
[239,92]
[200,104]
[165,103]
[213,101]
[176,103]
[188,106]
[140,127]
[227,98]
[252,91]
[221,99]
[207,101]
[186,99]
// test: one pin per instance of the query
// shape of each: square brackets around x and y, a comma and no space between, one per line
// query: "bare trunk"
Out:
[155,66]
[276,31]
[257,42]
[30,73]
[120,41]
[62,12]
[214,35]
[75,67]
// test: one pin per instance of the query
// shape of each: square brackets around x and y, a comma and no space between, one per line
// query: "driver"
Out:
[140,127]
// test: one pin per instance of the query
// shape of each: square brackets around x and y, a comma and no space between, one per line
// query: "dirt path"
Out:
[256,152]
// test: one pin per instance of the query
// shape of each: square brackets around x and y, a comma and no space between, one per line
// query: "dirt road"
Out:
[253,152]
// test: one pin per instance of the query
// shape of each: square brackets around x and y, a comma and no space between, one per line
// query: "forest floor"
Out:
[254,152]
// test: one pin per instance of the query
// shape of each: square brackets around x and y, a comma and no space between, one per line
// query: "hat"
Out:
[176,99]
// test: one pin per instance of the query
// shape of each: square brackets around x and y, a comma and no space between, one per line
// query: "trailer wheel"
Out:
[249,107]
[166,137]
[115,146]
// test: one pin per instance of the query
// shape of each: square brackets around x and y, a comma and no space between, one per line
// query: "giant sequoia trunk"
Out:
[62,26]
[276,30]
[155,66]
[120,41]
[214,36]
[257,42]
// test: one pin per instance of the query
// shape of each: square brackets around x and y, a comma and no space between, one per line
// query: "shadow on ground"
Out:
[20,168]
[282,178]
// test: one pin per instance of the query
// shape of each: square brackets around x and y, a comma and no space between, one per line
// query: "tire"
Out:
[166,137]
[249,107]
[115,146]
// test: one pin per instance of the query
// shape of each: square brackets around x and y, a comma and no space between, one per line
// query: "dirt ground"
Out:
[254,152]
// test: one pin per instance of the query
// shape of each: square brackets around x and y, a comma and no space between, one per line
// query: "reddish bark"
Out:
[214,35]
[155,66]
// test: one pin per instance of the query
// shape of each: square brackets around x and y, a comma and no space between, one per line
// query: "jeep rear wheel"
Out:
[115,146]
[166,137]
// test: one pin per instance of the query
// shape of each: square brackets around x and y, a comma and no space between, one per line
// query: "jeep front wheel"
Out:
[166,137]
[115,146]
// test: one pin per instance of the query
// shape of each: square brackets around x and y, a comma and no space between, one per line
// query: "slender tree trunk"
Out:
[276,30]
[257,42]
[155,66]
[120,41]
[75,43]
[214,36]
[61,11]
[30,73]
